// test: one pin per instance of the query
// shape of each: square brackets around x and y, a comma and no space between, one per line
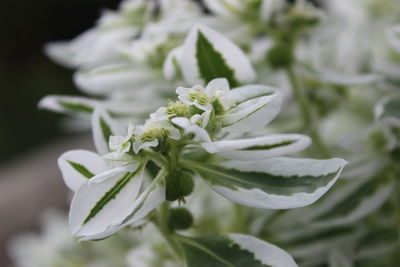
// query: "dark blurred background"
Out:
[31,139]
[26,75]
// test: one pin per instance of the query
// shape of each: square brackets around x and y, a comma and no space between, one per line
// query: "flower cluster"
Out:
[213,130]
[111,191]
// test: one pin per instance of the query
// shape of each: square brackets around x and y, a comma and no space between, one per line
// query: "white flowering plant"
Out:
[184,96]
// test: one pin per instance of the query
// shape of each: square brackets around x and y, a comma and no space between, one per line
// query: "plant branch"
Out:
[162,224]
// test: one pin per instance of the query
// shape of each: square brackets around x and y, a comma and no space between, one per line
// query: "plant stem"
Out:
[239,225]
[162,224]
[304,107]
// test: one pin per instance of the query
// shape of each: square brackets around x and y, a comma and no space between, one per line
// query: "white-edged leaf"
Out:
[350,202]
[233,250]
[207,54]
[98,206]
[259,148]
[91,48]
[84,105]
[171,67]
[77,166]
[277,183]
[388,110]
[147,201]
[314,250]
[109,79]
[256,106]
[365,200]
[68,104]
[103,126]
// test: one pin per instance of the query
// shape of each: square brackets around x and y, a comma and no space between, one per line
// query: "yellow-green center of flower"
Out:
[154,133]
[178,109]
[199,97]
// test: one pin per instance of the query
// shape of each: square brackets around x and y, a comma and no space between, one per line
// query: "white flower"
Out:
[214,96]
[120,145]
[196,96]
[153,132]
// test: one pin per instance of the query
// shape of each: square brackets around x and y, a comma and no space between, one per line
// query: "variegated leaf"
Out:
[98,206]
[277,183]
[365,199]
[388,110]
[258,148]
[233,250]
[110,79]
[103,126]
[77,166]
[91,48]
[83,105]
[256,106]
[207,54]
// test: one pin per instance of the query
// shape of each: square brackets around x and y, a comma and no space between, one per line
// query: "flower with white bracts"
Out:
[120,145]
[215,97]
[110,193]
[154,132]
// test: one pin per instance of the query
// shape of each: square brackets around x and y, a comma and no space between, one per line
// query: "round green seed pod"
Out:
[179,184]
[180,219]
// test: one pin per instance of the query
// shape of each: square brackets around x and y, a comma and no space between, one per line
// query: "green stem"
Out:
[304,107]
[158,158]
[239,225]
[162,224]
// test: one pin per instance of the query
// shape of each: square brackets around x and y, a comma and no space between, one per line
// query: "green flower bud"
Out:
[180,219]
[179,184]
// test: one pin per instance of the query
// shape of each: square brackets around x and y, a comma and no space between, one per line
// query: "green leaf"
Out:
[389,108]
[81,169]
[211,63]
[232,250]
[265,147]
[276,183]
[105,129]
[76,107]
[368,197]
[111,194]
